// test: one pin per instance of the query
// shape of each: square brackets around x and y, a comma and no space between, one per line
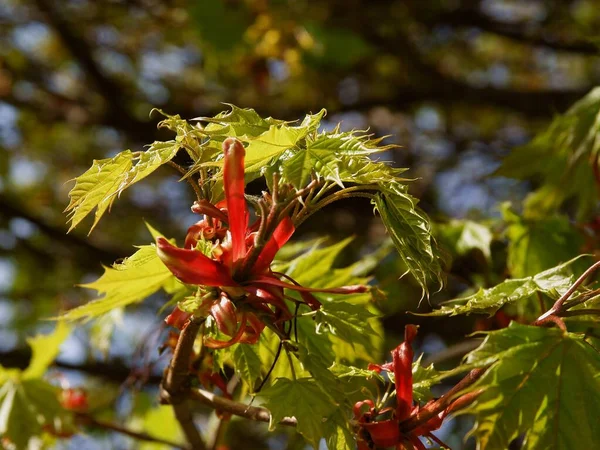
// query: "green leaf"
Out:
[410,231]
[347,322]
[338,434]
[18,422]
[27,405]
[107,178]
[247,364]
[309,268]
[521,291]
[536,245]
[561,158]
[462,236]
[543,383]
[131,281]
[305,400]
[423,379]
[44,349]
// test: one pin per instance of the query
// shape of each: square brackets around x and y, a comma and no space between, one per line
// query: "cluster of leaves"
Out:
[319,372]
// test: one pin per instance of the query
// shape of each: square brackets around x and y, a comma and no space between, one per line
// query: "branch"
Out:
[175,384]
[557,308]
[114,371]
[256,413]
[10,208]
[434,408]
[92,422]
[472,17]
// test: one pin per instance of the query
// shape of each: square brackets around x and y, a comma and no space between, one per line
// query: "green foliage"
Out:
[411,235]
[462,236]
[523,292]
[542,383]
[45,348]
[311,405]
[27,402]
[137,277]
[538,244]
[562,158]
[108,178]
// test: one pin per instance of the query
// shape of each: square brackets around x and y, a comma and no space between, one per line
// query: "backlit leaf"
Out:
[131,281]
[107,178]
[520,291]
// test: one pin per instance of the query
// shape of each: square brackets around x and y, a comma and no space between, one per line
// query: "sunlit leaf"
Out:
[542,383]
[131,281]
[107,178]
[45,348]
[551,283]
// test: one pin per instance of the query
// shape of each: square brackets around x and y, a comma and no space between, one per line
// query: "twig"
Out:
[92,422]
[256,413]
[558,305]
[175,387]
[580,312]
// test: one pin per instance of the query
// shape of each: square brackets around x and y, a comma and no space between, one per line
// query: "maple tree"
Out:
[275,331]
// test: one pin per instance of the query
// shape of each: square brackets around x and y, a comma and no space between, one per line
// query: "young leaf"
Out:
[543,383]
[310,406]
[107,178]
[45,348]
[411,233]
[131,281]
[551,283]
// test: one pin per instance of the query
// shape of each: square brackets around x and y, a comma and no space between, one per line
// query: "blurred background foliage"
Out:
[458,84]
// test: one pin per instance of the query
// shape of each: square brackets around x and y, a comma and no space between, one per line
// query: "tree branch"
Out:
[10,209]
[175,384]
[256,413]
[88,420]
[472,17]
[115,371]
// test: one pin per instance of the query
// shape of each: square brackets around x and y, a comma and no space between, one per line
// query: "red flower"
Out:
[386,433]
[248,293]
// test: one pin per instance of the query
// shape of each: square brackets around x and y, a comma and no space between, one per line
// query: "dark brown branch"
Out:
[175,385]
[115,371]
[256,413]
[472,17]
[88,420]
[10,208]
